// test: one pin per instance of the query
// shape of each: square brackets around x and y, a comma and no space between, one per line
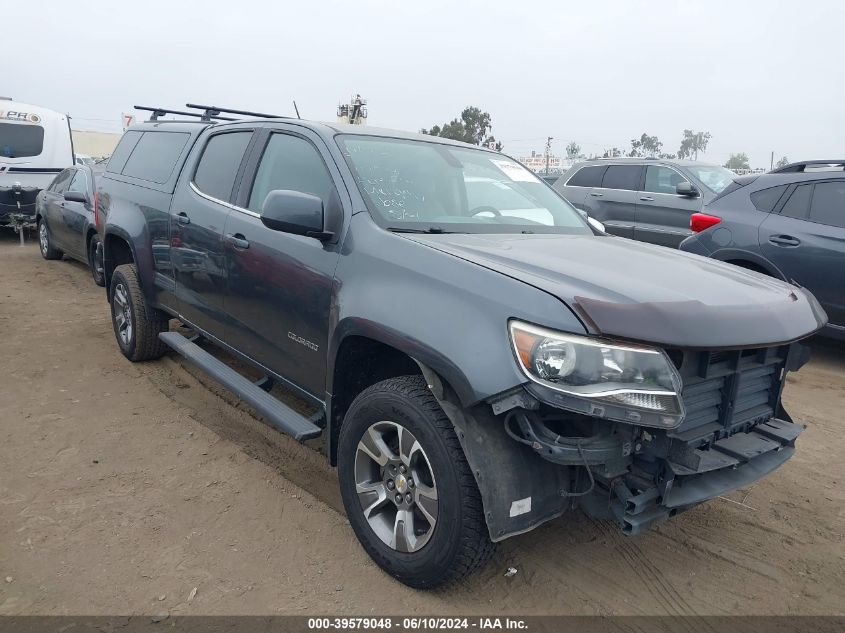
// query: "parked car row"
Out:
[480,354]
[788,224]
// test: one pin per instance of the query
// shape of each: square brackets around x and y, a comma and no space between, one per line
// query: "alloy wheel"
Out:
[396,487]
[122,314]
[43,240]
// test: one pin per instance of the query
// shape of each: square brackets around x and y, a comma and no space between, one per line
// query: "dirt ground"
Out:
[143,488]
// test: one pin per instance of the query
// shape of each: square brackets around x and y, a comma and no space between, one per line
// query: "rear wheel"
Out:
[407,488]
[45,243]
[136,333]
[95,260]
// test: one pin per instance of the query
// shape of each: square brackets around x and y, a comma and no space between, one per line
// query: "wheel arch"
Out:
[359,362]
[117,250]
[90,232]
[750,260]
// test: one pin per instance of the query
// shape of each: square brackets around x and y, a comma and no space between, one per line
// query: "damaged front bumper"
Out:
[643,478]
[730,463]
[735,432]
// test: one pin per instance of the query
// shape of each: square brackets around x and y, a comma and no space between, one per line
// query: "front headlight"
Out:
[638,385]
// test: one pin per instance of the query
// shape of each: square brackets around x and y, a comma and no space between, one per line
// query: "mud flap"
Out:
[519,490]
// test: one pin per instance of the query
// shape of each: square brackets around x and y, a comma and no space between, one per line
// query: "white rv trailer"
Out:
[35,145]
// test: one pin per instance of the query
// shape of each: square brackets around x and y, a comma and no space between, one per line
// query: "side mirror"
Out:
[76,196]
[295,212]
[686,189]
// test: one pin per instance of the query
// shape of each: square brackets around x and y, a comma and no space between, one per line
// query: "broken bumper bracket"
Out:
[727,464]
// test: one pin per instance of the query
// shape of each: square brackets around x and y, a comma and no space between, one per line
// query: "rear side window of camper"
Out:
[18,140]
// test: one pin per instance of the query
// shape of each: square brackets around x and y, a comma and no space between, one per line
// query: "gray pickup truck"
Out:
[478,365]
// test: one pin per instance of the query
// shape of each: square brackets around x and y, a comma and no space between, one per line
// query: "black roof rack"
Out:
[157,112]
[802,166]
[212,112]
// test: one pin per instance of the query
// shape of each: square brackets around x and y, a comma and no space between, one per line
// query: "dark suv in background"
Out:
[646,199]
[790,224]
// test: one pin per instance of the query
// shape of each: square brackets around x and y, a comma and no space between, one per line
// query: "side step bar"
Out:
[277,413]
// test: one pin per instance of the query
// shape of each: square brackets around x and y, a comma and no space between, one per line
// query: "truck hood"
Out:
[625,289]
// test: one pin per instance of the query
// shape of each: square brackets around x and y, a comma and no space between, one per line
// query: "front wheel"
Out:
[136,333]
[407,488]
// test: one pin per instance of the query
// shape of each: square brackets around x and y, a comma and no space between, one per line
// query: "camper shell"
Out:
[35,145]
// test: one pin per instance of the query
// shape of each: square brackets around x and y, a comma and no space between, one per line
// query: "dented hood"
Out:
[625,289]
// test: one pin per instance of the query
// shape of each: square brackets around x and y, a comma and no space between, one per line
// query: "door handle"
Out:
[784,240]
[237,240]
[596,195]
[183,218]
[646,198]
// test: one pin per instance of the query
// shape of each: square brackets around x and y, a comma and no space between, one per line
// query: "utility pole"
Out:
[772,162]
[548,150]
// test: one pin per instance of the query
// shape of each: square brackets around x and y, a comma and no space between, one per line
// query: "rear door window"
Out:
[218,166]
[622,177]
[61,181]
[18,140]
[79,182]
[767,199]
[587,177]
[155,155]
[798,203]
[660,179]
[828,206]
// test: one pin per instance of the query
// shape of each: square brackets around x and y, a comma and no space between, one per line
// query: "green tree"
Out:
[472,127]
[645,146]
[783,162]
[738,161]
[613,152]
[573,150]
[692,143]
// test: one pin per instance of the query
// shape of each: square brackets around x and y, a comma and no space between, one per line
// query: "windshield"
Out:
[713,177]
[18,140]
[417,185]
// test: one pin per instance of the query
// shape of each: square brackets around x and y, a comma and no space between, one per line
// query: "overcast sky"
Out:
[759,76]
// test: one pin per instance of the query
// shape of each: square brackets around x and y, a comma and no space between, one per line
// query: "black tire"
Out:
[140,341]
[459,542]
[45,242]
[95,262]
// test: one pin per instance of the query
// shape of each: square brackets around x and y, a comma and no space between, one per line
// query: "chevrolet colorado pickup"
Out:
[480,359]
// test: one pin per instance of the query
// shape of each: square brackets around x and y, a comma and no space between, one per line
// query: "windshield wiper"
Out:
[429,230]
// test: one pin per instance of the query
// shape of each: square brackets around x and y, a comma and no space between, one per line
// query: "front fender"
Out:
[127,221]
[439,309]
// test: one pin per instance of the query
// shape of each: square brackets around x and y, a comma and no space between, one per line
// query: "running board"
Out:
[277,413]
